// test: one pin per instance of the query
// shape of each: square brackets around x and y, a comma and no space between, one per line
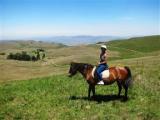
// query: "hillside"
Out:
[26,44]
[60,97]
[59,56]
[43,90]
[136,47]
[139,44]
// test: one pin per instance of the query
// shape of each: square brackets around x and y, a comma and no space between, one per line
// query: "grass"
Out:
[139,44]
[135,47]
[60,97]
[18,70]
[26,92]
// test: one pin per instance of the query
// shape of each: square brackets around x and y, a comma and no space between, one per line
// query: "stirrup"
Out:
[100,82]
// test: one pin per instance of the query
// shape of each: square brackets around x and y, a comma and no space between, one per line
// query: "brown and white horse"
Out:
[121,75]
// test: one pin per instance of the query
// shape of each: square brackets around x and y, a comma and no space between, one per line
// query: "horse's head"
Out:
[78,67]
[73,69]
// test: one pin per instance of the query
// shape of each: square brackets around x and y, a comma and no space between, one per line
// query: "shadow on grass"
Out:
[100,98]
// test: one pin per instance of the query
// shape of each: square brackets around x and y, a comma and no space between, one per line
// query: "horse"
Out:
[121,75]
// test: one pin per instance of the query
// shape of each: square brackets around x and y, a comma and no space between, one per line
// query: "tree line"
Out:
[38,54]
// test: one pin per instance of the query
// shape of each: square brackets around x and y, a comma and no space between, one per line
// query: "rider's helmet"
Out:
[104,47]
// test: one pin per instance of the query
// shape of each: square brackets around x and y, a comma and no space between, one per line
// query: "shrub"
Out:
[2,53]
[18,56]
[10,56]
[38,56]
[40,50]
[26,57]
[43,56]
[34,58]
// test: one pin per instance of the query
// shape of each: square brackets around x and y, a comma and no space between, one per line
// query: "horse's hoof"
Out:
[89,98]
[125,99]
[93,97]
[118,96]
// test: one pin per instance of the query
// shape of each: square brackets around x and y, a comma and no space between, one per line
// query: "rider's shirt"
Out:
[103,58]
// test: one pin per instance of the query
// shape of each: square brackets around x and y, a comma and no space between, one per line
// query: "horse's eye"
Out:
[85,66]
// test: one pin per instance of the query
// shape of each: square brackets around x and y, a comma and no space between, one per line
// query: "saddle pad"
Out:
[93,71]
[105,74]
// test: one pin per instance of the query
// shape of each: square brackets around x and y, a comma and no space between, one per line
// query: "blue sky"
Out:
[29,18]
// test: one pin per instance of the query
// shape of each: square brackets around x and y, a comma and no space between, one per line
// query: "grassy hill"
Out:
[139,44]
[59,56]
[136,47]
[42,90]
[13,45]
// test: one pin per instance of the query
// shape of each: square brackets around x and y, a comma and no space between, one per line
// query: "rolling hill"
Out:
[42,90]
[59,56]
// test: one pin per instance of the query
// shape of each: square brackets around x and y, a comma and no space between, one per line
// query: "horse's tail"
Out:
[129,80]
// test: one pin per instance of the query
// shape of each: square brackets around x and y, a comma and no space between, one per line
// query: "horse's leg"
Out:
[93,90]
[89,91]
[119,88]
[126,91]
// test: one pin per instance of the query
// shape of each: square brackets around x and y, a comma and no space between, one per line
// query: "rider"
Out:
[103,63]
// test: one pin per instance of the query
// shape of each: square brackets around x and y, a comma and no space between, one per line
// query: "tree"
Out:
[10,56]
[43,56]
[38,55]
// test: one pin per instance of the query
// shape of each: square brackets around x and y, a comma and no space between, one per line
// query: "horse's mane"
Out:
[82,64]
[89,65]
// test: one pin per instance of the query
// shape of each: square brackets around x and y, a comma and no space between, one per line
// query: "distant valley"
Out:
[72,40]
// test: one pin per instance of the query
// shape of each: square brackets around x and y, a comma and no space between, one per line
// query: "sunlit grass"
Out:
[60,97]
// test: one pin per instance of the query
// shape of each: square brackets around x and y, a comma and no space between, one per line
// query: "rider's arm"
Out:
[103,59]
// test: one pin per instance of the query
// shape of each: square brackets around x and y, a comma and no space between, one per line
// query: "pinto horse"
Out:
[121,75]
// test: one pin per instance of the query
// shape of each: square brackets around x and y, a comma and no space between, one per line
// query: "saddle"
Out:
[105,73]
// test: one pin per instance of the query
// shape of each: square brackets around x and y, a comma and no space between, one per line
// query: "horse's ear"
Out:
[73,62]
